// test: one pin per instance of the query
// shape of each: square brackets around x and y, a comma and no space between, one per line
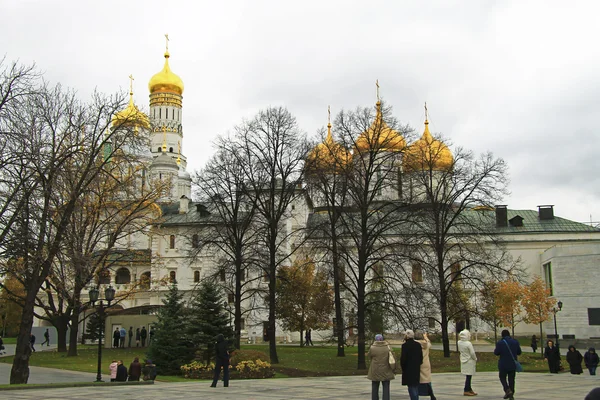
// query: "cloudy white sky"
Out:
[519,78]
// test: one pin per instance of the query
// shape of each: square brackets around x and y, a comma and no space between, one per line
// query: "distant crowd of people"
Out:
[120,373]
[120,336]
[416,367]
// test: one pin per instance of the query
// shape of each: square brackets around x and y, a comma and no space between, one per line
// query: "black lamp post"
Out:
[559,304]
[109,295]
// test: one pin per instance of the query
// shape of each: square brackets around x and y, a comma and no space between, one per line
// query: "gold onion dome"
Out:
[131,115]
[327,156]
[427,154]
[166,81]
[380,136]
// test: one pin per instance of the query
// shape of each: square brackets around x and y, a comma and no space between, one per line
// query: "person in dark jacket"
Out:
[508,349]
[121,372]
[137,337]
[143,335]
[534,344]
[32,342]
[410,362]
[135,370]
[591,360]
[130,335]
[148,370]
[552,355]
[594,394]
[222,361]
[574,358]
[116,338]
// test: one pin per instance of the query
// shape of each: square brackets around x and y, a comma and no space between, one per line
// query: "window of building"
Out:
[104,277]
[455,271]
[417,273]
[196,276]
[145,280]
[172,241]
[195,241]
[431,322]
[170,149]
[230,298]
[548,277]
[159,149]
[222,274]
[242,275]
[172,276]
[160,113]
[123,276]
[242,323]
[378,271]
[594,316]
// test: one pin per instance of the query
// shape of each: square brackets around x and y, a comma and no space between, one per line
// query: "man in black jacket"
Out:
[508,349]
[121,372]
[410,361]
[222,361]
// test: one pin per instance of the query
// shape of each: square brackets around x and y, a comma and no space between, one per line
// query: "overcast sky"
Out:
[519,78]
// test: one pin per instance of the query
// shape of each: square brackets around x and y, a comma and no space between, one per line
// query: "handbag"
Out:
[519,367]
[391,358]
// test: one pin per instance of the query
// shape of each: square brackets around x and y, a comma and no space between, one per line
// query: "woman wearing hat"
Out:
[380,369]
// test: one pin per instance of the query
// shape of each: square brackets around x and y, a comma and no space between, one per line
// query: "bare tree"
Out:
[272,149]
[232,233]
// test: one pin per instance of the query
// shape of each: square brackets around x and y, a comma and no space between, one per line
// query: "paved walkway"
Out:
[447,387]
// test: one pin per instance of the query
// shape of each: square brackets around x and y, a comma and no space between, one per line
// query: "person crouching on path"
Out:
[425,379]
[508,349]
[468,360]
[380,369]
[410,362]
[222,361]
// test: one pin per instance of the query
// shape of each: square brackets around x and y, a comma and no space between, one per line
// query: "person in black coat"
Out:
[552,355]
[591,360]
[116,338]
[574,358]
[222,361]
[410,362]
[509,350]
[121,372]
[534,345]
[143,335]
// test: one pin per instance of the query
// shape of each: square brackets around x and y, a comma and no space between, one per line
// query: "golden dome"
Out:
[166,80]
[427,154]
[131,115]
[328,156]
[380,136]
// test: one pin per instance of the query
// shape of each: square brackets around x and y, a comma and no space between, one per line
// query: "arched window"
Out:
[172,276]
[145,280]
[195,241]
[123,276]
[172,241]
[170,149]
[196,276]
[417,273]
[159,149]
[104,277]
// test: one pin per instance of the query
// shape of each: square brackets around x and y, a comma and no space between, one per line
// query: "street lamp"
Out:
[560,304]
[109,295]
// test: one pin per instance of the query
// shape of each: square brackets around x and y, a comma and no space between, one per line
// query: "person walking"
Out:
[425,388]
[150,335]
[123,334]
[135,370]
[309,337]
[130,335]
[32,342]
[116,338]
[591,360]
[137,337]
[2,348]
[534,343]
[574,358]
[410,362]
[121,372]
[222,361]
[143,335]
[508,349]
[113,370]
[552,355]
[46,338]
[468,360]
[380,370]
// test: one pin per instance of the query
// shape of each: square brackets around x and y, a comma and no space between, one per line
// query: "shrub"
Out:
[247,355]
[254,369]
[197,370]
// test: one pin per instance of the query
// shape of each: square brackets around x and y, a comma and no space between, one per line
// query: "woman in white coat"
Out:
[468,360]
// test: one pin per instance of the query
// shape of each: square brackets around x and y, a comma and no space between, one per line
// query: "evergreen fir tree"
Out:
[170,348]
[208,318]
[92,327]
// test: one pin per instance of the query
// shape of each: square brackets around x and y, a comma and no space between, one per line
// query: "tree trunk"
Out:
[19,374]
[301,340]
[339,328]
[272,288]
[360,320]
[61,334]
[541,346]
[74,333]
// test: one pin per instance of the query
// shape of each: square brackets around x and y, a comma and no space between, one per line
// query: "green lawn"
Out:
[293,360]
